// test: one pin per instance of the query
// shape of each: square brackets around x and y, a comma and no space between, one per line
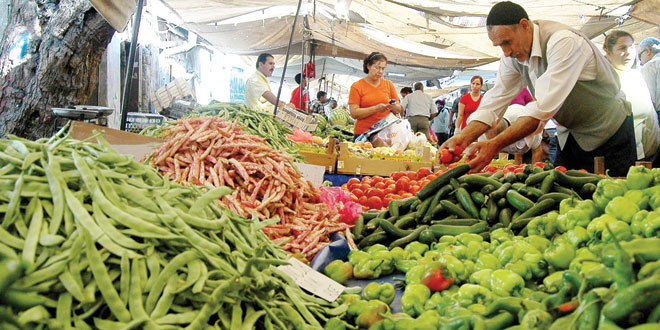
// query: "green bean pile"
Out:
[110,244]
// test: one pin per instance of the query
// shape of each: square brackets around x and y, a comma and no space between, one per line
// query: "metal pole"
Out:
[302,72]
[286,59]
[129,65]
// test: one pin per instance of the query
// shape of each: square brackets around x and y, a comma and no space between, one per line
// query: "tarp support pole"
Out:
[129,65]
[286,59]
[302,72]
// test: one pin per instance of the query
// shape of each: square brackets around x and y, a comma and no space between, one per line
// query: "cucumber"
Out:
[478,198]
[537,178]
[442,180]
[487,189]
[493,211]
[442,230]
[466,202]
[393,230]
[409,238]
[538,208]
[547,182]
[518,201]
[574,182]
[358,227]
[372,239]
[455,209]
[479,181]
[500,192]
[556,196]
[457,222]
[405,221]
[505,216]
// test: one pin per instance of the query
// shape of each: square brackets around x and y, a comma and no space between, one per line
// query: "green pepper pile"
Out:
[591,264]
[107,243]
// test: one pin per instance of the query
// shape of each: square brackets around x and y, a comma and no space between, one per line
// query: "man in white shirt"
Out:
[531,142]
[573,84]
[649,56]
[257,89]
[420,109]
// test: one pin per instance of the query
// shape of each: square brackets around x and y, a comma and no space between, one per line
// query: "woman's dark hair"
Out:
[613,36]
[477,77]
[298,78]
[406,90]
[371,59]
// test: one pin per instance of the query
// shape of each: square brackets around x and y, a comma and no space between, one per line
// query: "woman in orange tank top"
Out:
[372,98]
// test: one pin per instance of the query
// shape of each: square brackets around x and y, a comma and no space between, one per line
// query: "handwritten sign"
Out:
[312,281]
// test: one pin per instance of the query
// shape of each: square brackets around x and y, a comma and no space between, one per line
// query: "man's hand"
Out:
[481,154]
[464,138]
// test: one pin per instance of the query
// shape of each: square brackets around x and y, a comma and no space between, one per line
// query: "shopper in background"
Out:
[405,91]
[469,102]
[620,50]
[440,124]
[649,55]
[320,102]
[419,109]
[453,114]
[295,95]
[257,89]
[372,98]
[572,83]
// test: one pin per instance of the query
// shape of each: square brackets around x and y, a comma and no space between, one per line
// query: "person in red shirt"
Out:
[373,97]
[295,95]
[469,102]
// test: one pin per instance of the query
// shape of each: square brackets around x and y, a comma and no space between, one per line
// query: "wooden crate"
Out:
[348,164]
[328,160]
[164,96]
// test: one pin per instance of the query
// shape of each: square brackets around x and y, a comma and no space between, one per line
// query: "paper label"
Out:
[503,156]
[340,164]
[312,281]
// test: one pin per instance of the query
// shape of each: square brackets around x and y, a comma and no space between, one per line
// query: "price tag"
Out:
[504,156]
[340,164]
[312,281]
[357,169]
[419,151]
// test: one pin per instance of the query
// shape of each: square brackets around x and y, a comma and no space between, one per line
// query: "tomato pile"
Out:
[376,192]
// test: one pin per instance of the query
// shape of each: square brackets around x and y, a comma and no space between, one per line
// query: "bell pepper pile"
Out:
[590,264]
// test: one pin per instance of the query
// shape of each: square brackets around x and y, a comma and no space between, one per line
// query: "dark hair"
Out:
[506,13]
[320,94]
[440,101]
[477,77]
[613,36]
[465,90]
[263,57]
[371,59]
[406,90]
[298,78]
[419,86]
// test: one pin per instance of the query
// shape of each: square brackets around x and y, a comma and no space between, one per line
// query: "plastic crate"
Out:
[137,121]
[297,119]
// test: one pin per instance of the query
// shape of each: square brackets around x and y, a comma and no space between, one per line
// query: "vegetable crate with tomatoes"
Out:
[455,202]
[348,163]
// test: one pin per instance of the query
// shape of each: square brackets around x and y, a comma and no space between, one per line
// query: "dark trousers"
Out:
[442,137]
[619,152]
[420,124]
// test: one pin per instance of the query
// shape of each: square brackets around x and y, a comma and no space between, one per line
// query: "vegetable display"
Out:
[212,152]
[107,243]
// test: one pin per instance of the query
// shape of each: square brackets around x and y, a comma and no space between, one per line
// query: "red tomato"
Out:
[363,200]
[414,189]
[518,170]
[406,195]
[402,184]
[490,169]
[375,202]
[389,182]
[539,164]
[365,187]
[390,189]
[354,186]
[352,181]
[387,199]
[344,186]
[367,180]
[561,169]
[458,150]
[456,158]
[377,179]
[424,182]
[380,185]
[396,175]
[445,156]
[411,175]
[413,183]
[583,170]
[354,198]
[375,192]
[422,172]
[358,192]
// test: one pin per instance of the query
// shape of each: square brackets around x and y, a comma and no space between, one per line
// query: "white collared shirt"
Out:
[570,58]
[418,103]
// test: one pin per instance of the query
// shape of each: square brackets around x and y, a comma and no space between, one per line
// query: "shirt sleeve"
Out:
[651,76]
[354,96]
[259,87]
[494,103]
[567,55]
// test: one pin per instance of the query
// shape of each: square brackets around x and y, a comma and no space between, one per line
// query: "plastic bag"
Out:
[335,197]
[300,136]
[397,135]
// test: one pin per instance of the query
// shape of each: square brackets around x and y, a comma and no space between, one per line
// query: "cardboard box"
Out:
[349,164]
[124,142]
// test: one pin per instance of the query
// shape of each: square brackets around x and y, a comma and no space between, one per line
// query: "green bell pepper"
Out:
[384,292]
[486,261]
[650,227]
[539,242]
[606,190]
[427,321]
[413,299]
[355,256]
[584,258]
[377,247]
[638,219]
[656,176]
[654,201]
[577,236]
[573,218]
[466,238]
[501,235]
[416,247]
[404,266]
[339,271]
[638,197]
[506,283]
[370,313]
[440,302]
[334,323]
[481,277]
[399,254]
[622,208]
[552,282]
[537,319]
[597,226]
[621,231]
[387,266]
[455,267]
[368,268]
[544,225]
[639,177]
[458,251]
[469,294]
[521,268]
[537,264]
[559,254]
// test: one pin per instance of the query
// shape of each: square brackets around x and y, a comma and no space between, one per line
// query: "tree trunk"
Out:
[50,56]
